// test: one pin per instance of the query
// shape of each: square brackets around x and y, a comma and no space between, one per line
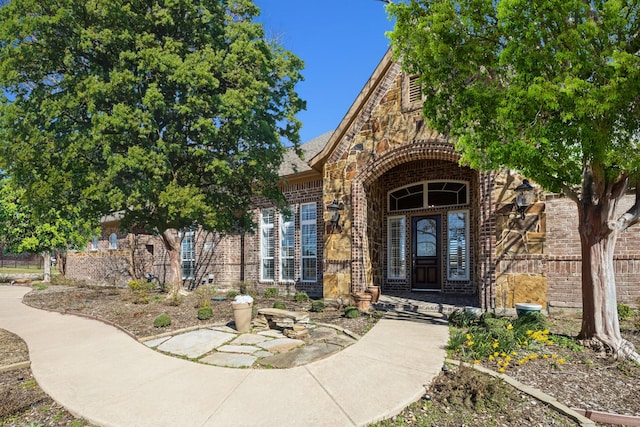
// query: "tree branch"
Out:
[631,216]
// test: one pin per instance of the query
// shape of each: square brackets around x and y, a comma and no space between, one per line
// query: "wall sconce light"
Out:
[335,207]
[524,199]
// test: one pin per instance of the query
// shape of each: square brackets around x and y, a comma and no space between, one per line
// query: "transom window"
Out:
[428,194]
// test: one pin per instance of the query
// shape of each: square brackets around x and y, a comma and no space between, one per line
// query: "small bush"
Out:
[301,297]
[162,321]
[279,305]
[271,293]
[462,318]
[141,290]
[232,294]
[351,312]
[203,296]
[624,311]
[317,306]
[205,313]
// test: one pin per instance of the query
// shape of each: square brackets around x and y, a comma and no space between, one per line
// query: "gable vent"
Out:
[415,90]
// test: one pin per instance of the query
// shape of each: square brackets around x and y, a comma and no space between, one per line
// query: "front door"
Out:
[425,255]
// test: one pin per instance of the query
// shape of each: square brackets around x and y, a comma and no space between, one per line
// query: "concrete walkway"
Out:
[103,375]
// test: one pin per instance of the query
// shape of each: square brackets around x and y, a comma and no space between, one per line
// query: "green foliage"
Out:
[279,305]
[174,115]
[40,286]
[317,306]
[203,296]
[232,294]
[351,312]
[162,321]
[624,311]
[301,297]
[205,313]
[271,293]
[141,290]
[462,319]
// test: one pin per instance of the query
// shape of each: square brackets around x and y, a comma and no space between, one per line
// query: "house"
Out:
[383,200]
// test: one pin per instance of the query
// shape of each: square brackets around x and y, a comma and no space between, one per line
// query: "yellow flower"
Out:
[495,344]
[522,361]
[561,361]
[468,337]
[501,370]
[470,343]
[503,354]
[529,331]
[507,359]
[554,356]
[476,362]
[545,332]
[549,342]
[509,326]
[546,356]
[491,357]
[513,353]
[496,354]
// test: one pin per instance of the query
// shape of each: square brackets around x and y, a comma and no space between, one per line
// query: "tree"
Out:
[172,113]
[550,89]
[22,231]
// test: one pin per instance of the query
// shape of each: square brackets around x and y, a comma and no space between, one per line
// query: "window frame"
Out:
[466,261]
[113,241]
[287,229]
[401,248]
[425,194]
[188,239]
[267,226]
[311,224]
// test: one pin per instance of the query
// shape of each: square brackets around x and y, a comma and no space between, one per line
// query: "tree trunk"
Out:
[172,242]
[600,324]
[47,266]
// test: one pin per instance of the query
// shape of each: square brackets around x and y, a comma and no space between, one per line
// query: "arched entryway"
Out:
[420,223]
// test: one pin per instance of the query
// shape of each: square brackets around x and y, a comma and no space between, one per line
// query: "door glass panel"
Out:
[426,240]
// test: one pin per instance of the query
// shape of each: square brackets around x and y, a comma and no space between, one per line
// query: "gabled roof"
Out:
[293,165]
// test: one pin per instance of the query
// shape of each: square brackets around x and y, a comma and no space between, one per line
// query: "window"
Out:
[308,244]
[188,255]
[113,241]
[267,244]
[396,258]
[447,193]
[438,193]
[287,246]
[458,245]
[411,197]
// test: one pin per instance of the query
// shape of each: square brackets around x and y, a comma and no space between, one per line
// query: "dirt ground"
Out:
[586,379]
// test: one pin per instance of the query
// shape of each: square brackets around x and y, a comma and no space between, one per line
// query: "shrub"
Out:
[317,306]
[162,321]
[175,299]
[271,293]
[462,319]
[205,313]
[351,312]
[141,290]
[624,311]
[203,296]
[279,305]
[301,297]
[232,294]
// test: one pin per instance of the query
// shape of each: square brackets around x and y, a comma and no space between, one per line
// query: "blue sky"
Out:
[341,43]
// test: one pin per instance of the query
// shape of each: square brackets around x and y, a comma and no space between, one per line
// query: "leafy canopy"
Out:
[173,112]
[549,88]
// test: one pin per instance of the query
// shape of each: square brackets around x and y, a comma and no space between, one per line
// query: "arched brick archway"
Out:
[432,149]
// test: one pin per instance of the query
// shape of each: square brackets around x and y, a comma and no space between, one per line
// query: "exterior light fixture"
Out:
[335,207]
[524,199]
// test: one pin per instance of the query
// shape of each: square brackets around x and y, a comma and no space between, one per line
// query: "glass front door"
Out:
[426,253]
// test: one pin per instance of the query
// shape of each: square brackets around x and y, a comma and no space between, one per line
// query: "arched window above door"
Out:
[429,194]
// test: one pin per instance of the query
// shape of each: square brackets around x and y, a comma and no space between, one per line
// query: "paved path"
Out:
[103,375]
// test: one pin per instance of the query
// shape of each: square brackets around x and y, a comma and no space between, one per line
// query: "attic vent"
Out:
[415,90]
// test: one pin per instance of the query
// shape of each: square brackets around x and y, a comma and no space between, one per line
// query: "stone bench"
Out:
[275,318]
